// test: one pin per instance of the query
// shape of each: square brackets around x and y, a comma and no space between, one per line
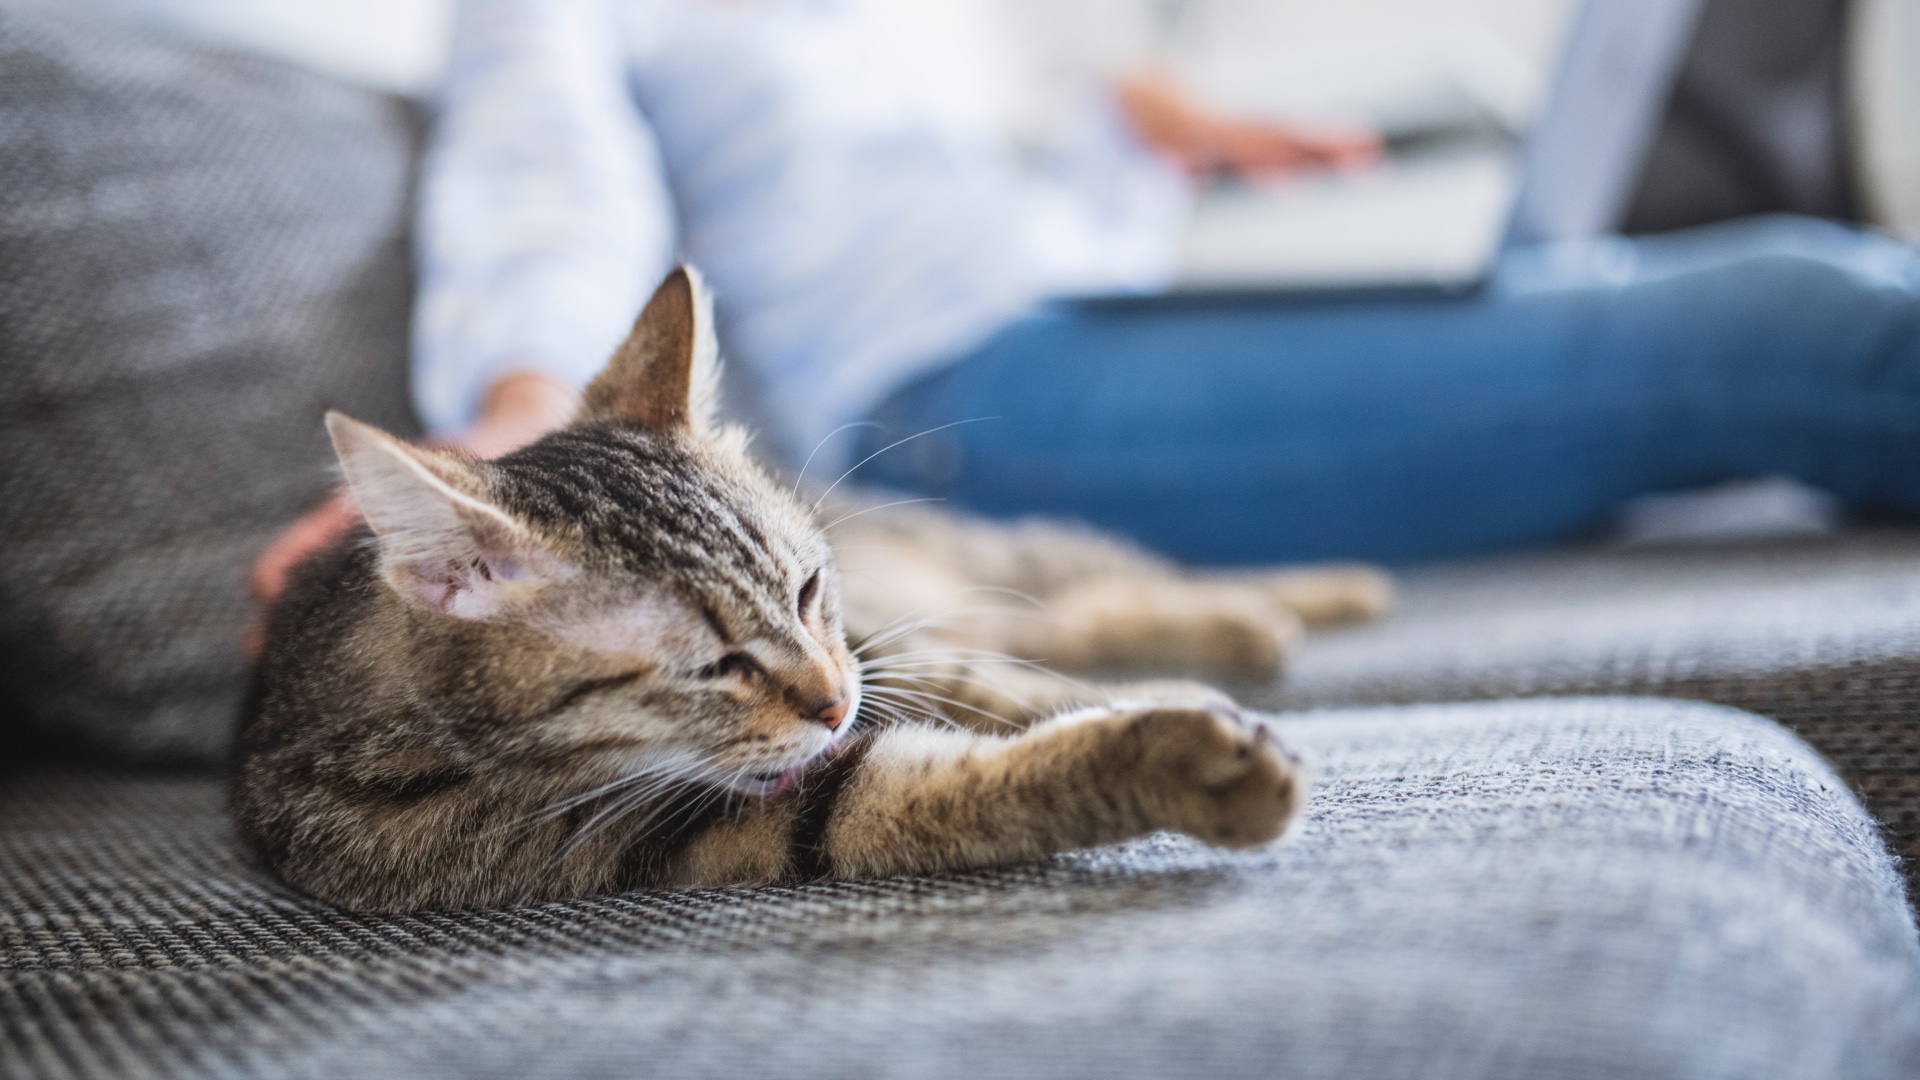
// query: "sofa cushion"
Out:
[1588,888]
[1820,634]
[199,253]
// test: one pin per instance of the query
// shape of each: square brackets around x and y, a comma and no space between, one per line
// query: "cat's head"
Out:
[628,593]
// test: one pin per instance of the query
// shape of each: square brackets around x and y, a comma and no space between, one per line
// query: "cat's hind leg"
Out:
[1216,629]
[1218,624]
[1334,594]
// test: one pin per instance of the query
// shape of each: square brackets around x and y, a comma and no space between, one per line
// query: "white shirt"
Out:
[837,168]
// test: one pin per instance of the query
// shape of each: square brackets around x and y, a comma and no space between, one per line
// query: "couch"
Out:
[1820,634]
[1607,844]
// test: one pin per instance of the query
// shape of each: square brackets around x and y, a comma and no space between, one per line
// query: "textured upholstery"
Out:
[1822,635]
[199,253]
[1595,888]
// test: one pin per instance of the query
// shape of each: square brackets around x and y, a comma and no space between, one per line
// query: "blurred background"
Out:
[1810,106]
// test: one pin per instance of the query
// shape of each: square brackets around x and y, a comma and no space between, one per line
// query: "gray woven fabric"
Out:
[1557,889]
[199,253]
[1822,635]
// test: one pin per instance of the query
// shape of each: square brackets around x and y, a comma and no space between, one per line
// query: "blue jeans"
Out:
[1258,432]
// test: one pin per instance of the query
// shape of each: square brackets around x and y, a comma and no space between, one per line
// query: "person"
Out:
[890,269]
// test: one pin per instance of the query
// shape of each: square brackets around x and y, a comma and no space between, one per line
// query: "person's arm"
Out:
[1066,55]
[545,219]
[1204,141]
[544,224]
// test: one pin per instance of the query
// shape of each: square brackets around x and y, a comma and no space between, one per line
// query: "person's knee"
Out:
[1797,243]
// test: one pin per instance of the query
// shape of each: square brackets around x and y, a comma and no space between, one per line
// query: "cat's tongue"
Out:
[786,781]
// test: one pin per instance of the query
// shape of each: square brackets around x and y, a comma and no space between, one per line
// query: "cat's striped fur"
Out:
[616,658]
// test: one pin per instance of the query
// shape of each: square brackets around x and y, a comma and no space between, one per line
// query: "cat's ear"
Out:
[442,544]
[667,373]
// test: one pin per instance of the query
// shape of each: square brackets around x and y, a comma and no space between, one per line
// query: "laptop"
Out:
[1452,194]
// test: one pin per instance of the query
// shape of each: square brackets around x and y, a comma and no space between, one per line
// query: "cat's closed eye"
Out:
[734,663]
[809,592]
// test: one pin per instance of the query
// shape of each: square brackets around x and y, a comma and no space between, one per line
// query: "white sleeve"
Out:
[1063,56]
[545,218]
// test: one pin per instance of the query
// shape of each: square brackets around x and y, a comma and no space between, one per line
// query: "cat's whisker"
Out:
[659,798]
[1006,590]
[930,684]
[900,442]
[934,666]
[887,712]
[895,710]
[646,784]
[936,659]
[612,811]
[555,809]
[881,638]
[925,696]
[635,826]
[907,624]
[1002,590]
[817,447]
[708,793]
[964,708]
[872,509]
[904,714]
[946,681]
[549,811]
[937,718]
[881,665]
[886,706]
[652,794]
[959,660]
[961,651]
[943,680]
[618,806]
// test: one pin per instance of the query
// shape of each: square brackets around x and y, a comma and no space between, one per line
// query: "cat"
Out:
[952,610]
[618,658]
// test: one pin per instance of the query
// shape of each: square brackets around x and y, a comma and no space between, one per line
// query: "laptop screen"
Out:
[1586,148]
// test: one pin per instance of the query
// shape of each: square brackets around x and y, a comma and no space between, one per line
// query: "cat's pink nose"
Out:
[835,714]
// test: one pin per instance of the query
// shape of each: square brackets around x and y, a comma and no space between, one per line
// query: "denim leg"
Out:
[1395,431]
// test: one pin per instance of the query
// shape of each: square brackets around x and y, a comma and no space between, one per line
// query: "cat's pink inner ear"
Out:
[468,575]
[441,544]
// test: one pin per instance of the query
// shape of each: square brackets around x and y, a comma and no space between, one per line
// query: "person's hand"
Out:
[517,409]
[1171,121]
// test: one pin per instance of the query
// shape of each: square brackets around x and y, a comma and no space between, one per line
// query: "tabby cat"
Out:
[618,658]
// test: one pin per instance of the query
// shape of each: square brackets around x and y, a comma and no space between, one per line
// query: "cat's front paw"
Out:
[1218,778]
